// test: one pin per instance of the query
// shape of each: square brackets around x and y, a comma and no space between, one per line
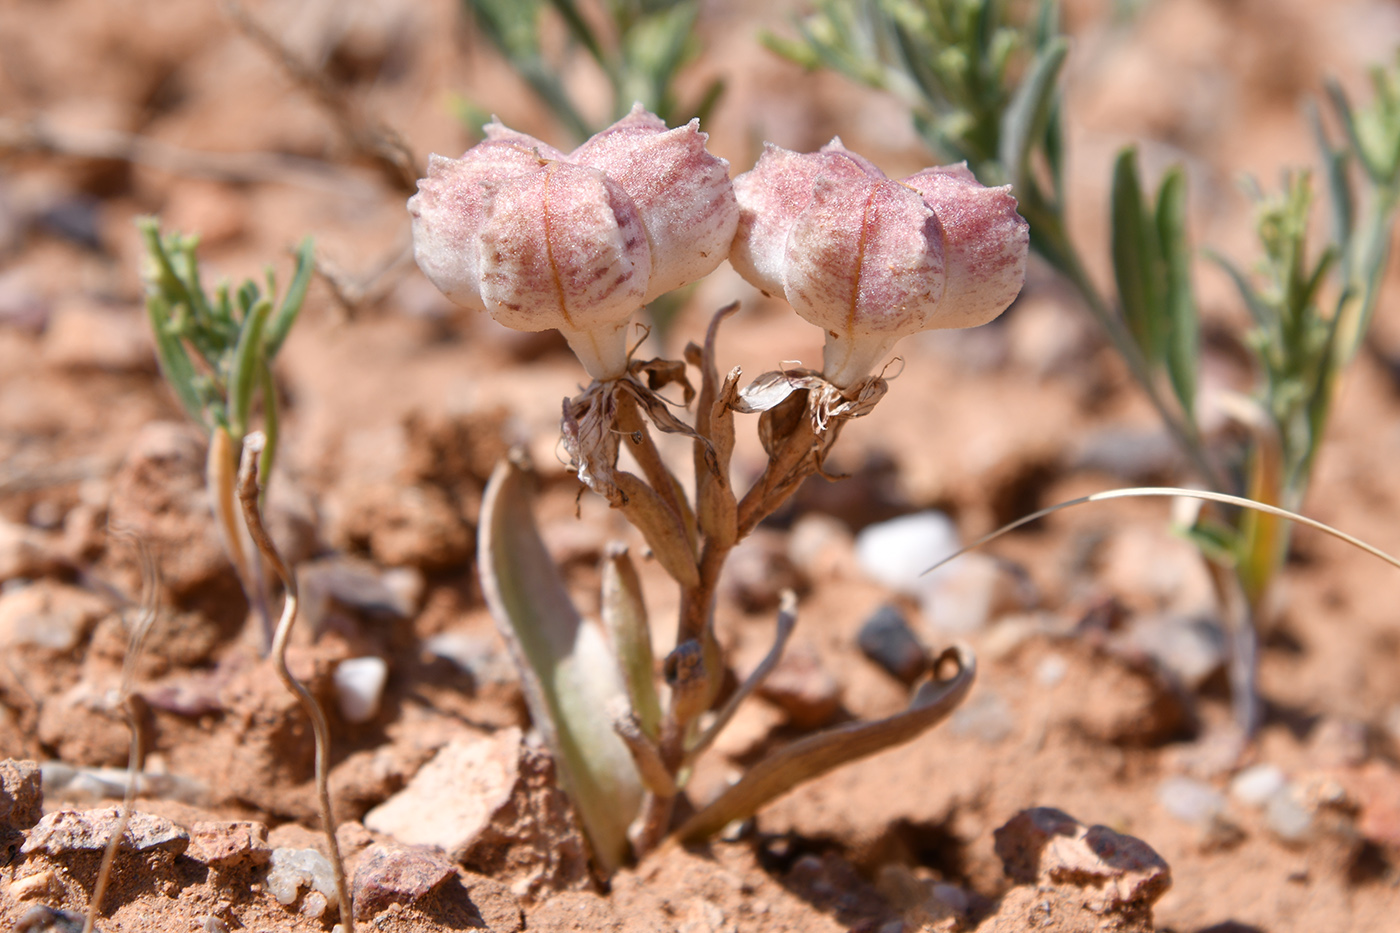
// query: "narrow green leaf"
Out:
[1183,325]
[175,363]
[568,674]
[1347,117]
[1134,255]
[1023,125]
[1335,162]
[243,373]
[290,306]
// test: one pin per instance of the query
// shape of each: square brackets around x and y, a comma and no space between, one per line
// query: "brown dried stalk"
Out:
[150,600]
[248,493]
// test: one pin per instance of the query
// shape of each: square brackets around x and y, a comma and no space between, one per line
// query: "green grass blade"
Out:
[290,306]
[1182,336]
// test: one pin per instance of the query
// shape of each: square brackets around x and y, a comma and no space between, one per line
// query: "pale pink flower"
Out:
[870,260]
[577,242]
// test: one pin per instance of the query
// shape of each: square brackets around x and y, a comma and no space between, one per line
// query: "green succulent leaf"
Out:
[568,673]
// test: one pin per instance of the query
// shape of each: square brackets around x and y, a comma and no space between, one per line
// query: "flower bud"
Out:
[576,242]
[870,260]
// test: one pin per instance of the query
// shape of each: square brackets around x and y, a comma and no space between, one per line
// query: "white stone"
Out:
[290,870]
[1255,785]
[1286,815]
[359,687]
[1190,800]
[897,552]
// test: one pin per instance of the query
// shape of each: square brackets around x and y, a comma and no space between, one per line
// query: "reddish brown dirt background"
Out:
[397,408]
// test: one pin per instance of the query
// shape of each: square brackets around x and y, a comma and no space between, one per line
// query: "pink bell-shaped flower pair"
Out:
[577,242]
[870,260]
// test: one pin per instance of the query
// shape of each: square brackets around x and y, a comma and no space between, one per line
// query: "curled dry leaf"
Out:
[818,754]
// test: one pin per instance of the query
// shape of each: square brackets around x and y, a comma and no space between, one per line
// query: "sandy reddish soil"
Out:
[396,410]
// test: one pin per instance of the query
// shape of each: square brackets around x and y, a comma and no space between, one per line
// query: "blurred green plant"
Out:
[217,354]
[983,87]
[641,47]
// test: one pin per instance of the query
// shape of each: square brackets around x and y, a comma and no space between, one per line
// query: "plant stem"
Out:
[248,495]
[1182,431]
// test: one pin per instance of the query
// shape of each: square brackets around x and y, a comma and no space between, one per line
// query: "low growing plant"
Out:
[217,355]
[578,242]
[982,86]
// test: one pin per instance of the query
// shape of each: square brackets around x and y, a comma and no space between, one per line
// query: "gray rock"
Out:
[481,656]
[67,831]
[65,782]
[358,585]
[42,919]
[1191,649]
[1287,816]
[1190,800]
[1136,455]
[887,639]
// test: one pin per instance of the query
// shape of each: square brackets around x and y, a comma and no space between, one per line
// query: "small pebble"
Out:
[1255,785]
[481,657]
[294,869]
[1191,649]
[886,639]
[1287,817]
[897,552]
[359,687]
[1190,800]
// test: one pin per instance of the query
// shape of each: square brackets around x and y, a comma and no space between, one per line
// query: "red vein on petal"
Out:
[549,249]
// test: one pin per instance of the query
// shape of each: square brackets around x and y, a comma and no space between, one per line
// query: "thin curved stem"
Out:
[248,495]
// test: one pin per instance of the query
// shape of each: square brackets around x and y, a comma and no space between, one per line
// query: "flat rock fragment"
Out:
[494,805]
[1073,878]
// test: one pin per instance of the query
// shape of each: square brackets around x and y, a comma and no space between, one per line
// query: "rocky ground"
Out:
[1080,768]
